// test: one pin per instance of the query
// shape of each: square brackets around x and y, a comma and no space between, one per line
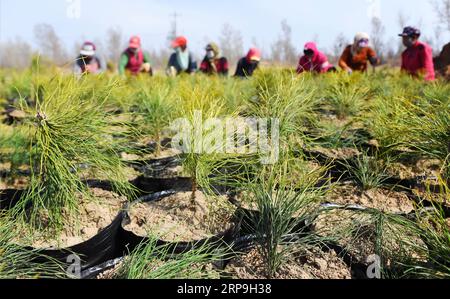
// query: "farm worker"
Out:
[134,60]
[88,62]
[182,60]
[313,60]
[356,57]
[417,59]
[248,64]
[213,63]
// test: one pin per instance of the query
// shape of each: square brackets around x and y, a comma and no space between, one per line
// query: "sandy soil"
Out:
[307,264]
[439,198]
[339,153]
[93,217]
[356,232]
[381,199]
[128,172]
[131,174]
[164,153]
[109,274]
[129,157]
[177,218]
[421,168]
[17,183]
[5,166]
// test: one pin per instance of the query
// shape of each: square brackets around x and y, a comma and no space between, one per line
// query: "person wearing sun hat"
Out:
[357,56]
[248,64]
[213,63]
[88,62]
[181,61]
[417,59]
[134,60]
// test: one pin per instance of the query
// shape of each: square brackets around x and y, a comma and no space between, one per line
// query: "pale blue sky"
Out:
[202,20]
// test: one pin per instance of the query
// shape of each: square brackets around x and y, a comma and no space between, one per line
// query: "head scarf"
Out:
[358,38]
[215,48]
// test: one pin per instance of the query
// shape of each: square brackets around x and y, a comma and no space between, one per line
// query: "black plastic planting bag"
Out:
[104,246]
[92,273]
[153,185]
[99,249]
[127,241]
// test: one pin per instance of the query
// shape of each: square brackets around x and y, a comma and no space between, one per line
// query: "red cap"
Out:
[135,42]
[254,54]
[180,41]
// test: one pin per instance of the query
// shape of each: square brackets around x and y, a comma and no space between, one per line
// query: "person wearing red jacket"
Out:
[313,60]
[134,60]
[417,59]
[213,63]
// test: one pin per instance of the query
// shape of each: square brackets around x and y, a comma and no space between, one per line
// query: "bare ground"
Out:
[178,218]
[307,264]
[381,199]
[93,216]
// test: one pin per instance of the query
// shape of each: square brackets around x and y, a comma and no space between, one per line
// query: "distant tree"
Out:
[231,43]
[76,47]
[377,35]
[114,45]
[160,58]
[437,45]
[392,52]
[15,54]
[257,44]
[402,22]
[283,50]
[339,45]
[442,9]
[50,44]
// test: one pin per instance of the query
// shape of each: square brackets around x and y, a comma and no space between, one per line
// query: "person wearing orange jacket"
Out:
[417,59]
[357,56]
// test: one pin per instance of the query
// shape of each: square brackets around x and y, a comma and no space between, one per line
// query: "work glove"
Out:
[171,72]
[146,67]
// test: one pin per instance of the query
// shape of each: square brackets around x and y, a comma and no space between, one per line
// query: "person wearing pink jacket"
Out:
[314,61]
